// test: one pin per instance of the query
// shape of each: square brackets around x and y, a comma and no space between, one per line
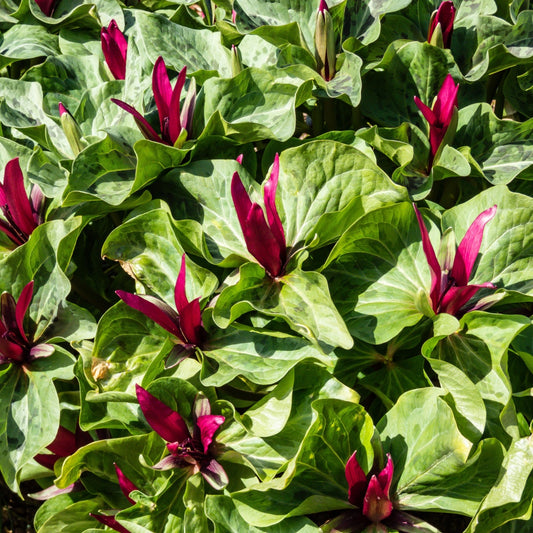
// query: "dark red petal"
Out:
[113,56]
[17,199]
[47,460]
[456,297]
[445,16]
[385,476]
[431,258]
[376,506]
[64,444]
[426,111]
[162,419]
[446,101]
[270,205]
[9,314]
[191,322]
[141,122]
[162,91]
[46,6]
[261,242]
[208,425]
[174,119]
[158,311]
[109,521]
[126,486]
[356,479]
[22,306]
[241,199]
[468,249]
[180,296]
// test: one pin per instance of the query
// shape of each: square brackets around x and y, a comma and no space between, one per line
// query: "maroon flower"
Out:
[441,25]
[22,214]
[450,290]
[440,115]
[115,48]
[126,486]
[15,346]
[175,123]
[265,239]
[187,449]
[185,323]
[372,496]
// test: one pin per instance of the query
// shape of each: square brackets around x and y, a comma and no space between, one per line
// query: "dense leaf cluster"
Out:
[292,351]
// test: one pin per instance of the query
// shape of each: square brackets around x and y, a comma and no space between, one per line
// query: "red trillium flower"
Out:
[115,48]
[441,25]
[22,214]
[15,346]
[126,486]
[372,496]
[265,238]
[185,324]
[440,115]
[450,290]
[187,449]
[175,123]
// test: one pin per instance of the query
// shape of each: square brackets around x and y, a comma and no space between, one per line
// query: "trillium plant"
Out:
[266,266]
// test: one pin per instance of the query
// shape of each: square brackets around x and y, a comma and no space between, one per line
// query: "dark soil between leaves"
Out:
[16,514]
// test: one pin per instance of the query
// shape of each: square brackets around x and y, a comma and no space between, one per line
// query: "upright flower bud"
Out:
[236,61]
[325,42]
[71,129]
[441,25]
[115,48]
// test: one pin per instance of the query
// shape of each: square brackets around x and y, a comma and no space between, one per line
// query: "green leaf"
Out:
[325,186]
[43,259]
[501,147]
[126,343]
[511,496]
[479,350]
[258,355]
[226,519]
[21,108]
[301,298]
[362,20]
[268,455]
[66,514]
[98,458]
[314,480]
[155,35]
[24,41]
[407,69]
[103,171]
[29,418]
[379,269]
[425,444]
[256,104]
[147,248]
